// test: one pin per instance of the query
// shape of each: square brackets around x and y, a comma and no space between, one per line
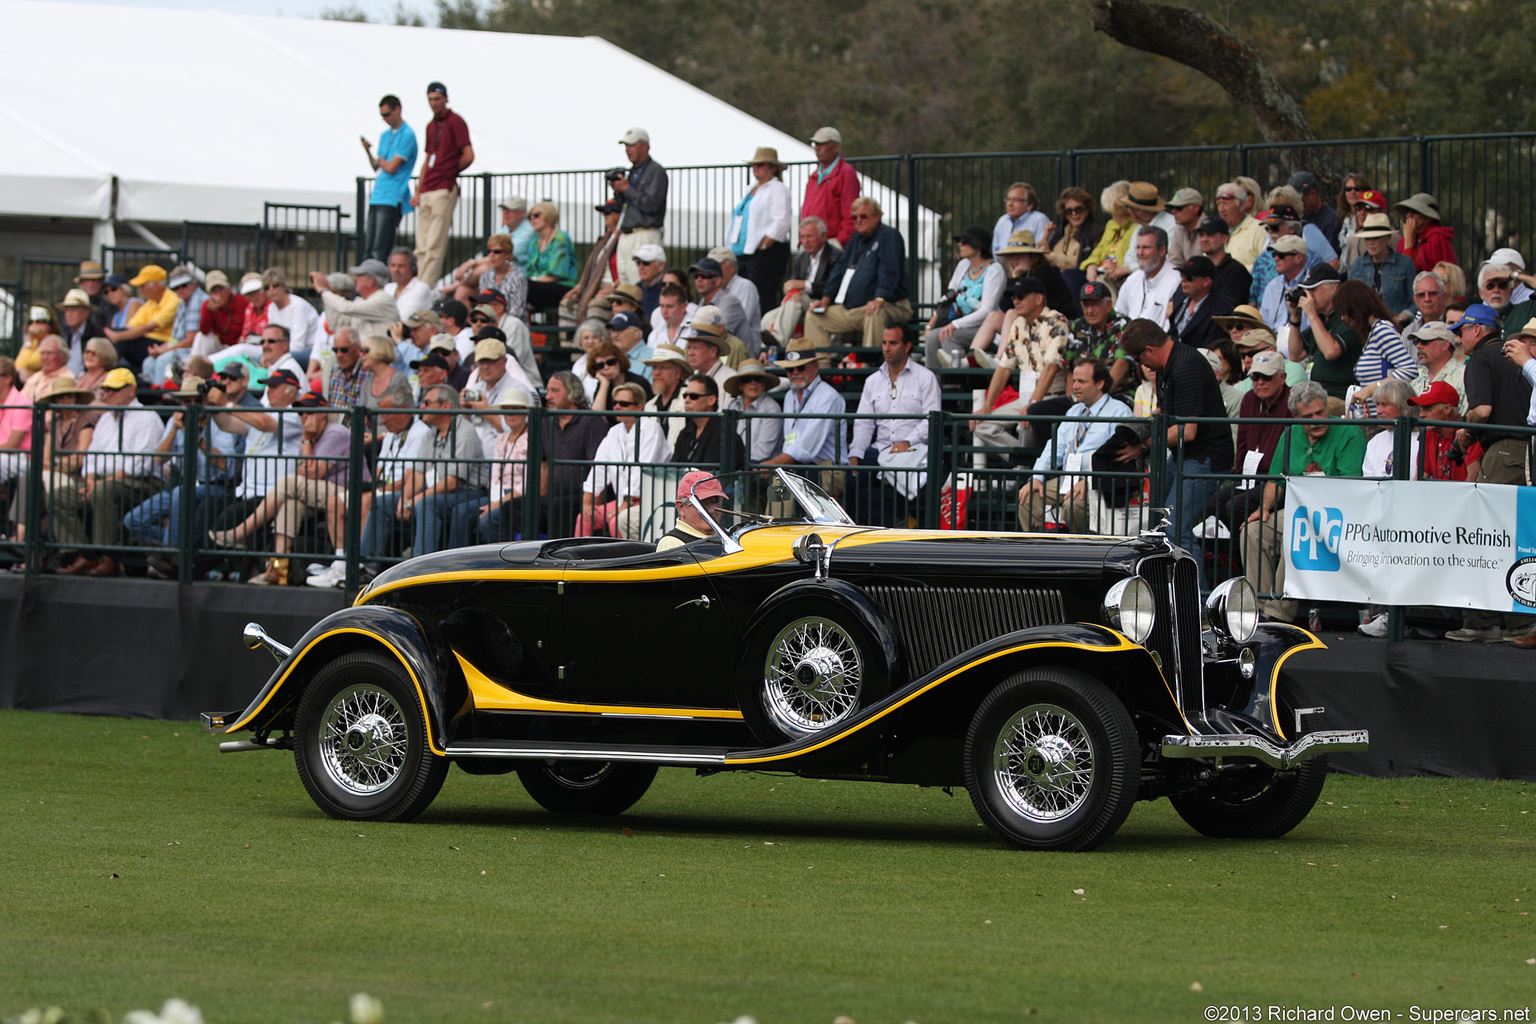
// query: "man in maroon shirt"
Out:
[832,186]
[448,154]
[223,314]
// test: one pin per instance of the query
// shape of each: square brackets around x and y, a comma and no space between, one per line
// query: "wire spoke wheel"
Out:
[1051,760]
[1044,763]
[812,676]
[363,740]
[361,743]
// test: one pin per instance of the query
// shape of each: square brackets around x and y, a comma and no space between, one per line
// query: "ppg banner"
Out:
[1411,542]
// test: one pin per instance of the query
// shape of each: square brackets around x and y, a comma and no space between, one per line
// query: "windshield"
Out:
[780,495]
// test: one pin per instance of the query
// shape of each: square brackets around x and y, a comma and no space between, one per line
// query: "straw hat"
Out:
[61,386]
[1018,243]
[1144,196]
[767,155]
[1243,316]
[750,369]
[668,354]
[1421,203]
[1377,225]
[805,345]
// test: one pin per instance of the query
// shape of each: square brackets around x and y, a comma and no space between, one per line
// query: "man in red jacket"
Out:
[832,187]
[1425,240]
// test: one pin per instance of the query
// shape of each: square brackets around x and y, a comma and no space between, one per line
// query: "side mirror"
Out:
[809,549]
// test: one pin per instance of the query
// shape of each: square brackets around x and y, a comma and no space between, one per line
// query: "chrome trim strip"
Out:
[1258,747]
[578,752]
[240,746]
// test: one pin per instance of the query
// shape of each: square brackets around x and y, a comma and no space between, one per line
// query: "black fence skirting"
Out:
[139,648]
[145,649]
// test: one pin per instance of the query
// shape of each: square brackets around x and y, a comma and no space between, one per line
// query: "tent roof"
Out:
[272,107]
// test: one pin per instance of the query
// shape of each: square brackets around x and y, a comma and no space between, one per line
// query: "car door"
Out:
[648,631]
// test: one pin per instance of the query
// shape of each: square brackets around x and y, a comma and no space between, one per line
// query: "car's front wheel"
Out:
[1256,801]
[586,787]
[361,743]
[1051,760]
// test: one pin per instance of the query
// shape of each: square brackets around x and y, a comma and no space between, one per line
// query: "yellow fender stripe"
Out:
[293,663]
[1122,646]
[488,695]
[1274,680]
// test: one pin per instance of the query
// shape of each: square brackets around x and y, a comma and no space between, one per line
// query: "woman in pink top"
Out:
[15,423]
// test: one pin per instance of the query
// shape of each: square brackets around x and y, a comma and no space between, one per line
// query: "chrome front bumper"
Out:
[1261,749]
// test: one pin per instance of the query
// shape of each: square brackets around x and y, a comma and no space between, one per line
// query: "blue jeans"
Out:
[1188,498]
[434,516]
[382,222]
[379,530]
[143,521]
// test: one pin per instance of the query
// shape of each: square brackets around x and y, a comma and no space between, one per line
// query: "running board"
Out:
[1261,749]
[628,752]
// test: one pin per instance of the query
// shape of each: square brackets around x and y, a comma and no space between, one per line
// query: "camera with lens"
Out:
[1294,296]
[614,174]
[471,394]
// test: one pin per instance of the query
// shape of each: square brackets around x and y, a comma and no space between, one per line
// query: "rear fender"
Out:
[429,663]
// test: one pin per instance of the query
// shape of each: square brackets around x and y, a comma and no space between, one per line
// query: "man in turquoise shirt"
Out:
[392,188]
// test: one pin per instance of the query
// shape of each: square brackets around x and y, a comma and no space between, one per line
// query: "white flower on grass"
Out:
[366,1009]
[175,1011]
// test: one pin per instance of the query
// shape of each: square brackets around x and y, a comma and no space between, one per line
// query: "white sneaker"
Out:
[330,579]
[1376,627]
[983,359]
[1208,530]
[945,360]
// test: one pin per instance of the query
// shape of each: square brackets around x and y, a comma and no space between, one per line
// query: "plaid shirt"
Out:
[344,389]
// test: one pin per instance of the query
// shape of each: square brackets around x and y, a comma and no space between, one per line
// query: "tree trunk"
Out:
[1191,38]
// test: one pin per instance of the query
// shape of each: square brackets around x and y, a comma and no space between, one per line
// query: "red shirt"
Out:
[228,324]
[1434,246]
[1437,460]
[832,200]
[446,138]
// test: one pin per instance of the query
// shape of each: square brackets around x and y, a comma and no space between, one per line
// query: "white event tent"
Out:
[203,115]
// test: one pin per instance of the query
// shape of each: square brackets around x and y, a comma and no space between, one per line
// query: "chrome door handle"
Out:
[702,602]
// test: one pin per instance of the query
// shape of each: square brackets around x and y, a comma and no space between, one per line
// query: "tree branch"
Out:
[1192,39]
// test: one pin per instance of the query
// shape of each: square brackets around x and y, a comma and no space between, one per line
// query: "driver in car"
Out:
[690,525]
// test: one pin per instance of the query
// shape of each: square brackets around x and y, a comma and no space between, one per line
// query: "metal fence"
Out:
[201,504]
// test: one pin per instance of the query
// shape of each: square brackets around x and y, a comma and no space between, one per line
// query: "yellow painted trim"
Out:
[489,695]
[294,661]
[763,547]
[1274,679]
[1121,647]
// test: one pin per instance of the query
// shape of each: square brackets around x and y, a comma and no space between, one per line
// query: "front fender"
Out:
[429,663]
[1257,703]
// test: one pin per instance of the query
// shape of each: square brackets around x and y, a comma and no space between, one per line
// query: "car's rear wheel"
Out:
[586,787]
[361,741]
[1256,801]
[1051,760]
[809,666]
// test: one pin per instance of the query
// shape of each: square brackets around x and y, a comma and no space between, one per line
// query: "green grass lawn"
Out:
[138,864]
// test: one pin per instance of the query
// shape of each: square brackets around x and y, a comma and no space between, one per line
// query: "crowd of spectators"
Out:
[1269,305]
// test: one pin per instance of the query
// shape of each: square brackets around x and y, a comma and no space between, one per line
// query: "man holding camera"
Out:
[643,192]
[1290,253]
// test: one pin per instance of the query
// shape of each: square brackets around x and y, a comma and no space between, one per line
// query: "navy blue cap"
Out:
[707,267]
[625,319]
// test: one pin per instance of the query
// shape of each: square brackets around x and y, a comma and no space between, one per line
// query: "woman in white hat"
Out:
[763,437]
[760,223]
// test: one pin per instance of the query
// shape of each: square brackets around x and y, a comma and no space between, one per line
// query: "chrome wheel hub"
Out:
[363,740]
[811,677]
[1043,763]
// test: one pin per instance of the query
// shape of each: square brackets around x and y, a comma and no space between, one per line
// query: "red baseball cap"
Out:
[1438,393]
[1372,198]
[699,483]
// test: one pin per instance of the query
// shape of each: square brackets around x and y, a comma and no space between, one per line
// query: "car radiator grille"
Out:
[1176,632]
[937,623]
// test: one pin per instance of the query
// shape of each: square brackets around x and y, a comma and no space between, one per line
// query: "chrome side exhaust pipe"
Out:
[256,637]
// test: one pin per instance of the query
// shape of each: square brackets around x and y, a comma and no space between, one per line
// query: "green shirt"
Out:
[1517,314]
[1340,452]
[1336,375]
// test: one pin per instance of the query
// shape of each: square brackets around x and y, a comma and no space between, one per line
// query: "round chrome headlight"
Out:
[1128,607]
[1233,608]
